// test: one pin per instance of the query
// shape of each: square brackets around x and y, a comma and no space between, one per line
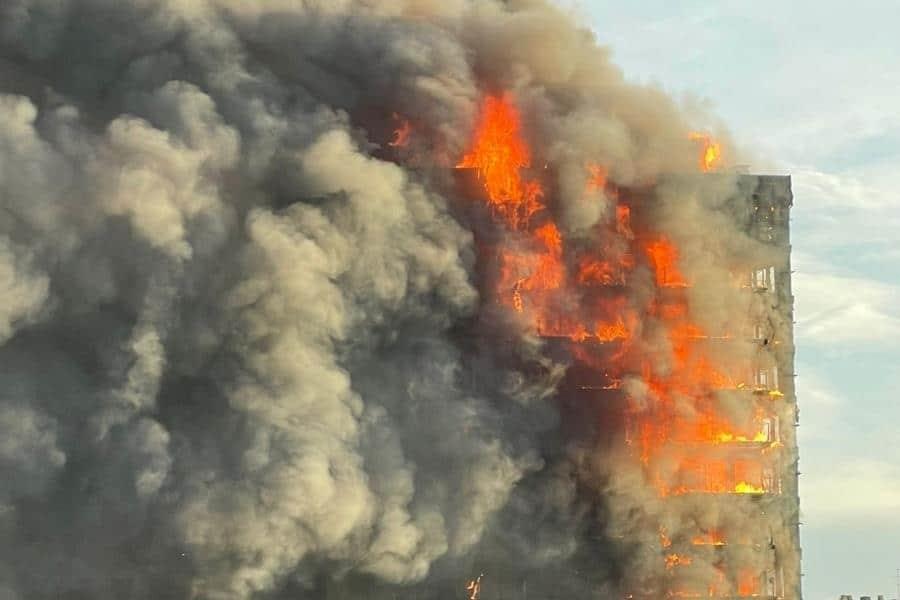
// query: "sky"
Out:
[811,89]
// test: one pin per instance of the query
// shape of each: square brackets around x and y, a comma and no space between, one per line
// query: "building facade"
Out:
[716,440]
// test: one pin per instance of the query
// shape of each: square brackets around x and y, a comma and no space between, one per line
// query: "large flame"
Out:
[499,154]
[664,259]
[534,278]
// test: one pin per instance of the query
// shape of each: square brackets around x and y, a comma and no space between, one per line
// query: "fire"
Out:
[725,438]
[711,155]
[594,271]
[608,332]
[538,270]
[473,588]
[748,584]
[743,487]
[597,177]
[711,538]
[664,258]
[534,277]
[401,134]
[579,290]
[707,426]
[623,222]
[675,560]
[664,540]
[698,473]
[498,156]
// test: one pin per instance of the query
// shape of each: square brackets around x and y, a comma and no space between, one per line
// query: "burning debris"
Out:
[711,154]
[333,299]
[473,588]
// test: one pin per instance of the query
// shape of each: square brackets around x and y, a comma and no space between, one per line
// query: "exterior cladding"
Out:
[771,199]
[763,203]
[588,396]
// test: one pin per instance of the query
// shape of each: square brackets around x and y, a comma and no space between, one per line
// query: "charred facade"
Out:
[690,428]
[732,447]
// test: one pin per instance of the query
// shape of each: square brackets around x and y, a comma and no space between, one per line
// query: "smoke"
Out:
[246,351]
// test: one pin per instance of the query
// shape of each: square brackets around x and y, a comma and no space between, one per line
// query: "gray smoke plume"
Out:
[237,354]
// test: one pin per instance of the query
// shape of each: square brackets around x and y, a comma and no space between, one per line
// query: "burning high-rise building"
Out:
[382,300]
[679,374]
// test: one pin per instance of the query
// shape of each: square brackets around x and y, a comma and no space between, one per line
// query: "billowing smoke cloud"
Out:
[243,351]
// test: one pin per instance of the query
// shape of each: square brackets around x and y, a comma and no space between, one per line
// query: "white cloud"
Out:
[845,258]
[845,213]
[841,192]
[852,488]
[838,310]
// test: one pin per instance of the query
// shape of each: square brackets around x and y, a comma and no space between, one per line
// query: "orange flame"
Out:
[537,270]
[574,289]
[742,487]
[675,560]
[498,155]
[748,584]
[706,475]
[473,587]
[596,271]
[711,155]
[682,415]
[711,538]
[623,221]
[597,177]
[664,258]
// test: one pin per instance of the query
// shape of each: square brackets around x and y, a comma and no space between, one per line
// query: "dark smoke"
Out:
[237,354]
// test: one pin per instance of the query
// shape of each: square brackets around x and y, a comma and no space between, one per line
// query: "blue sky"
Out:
[812,89]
